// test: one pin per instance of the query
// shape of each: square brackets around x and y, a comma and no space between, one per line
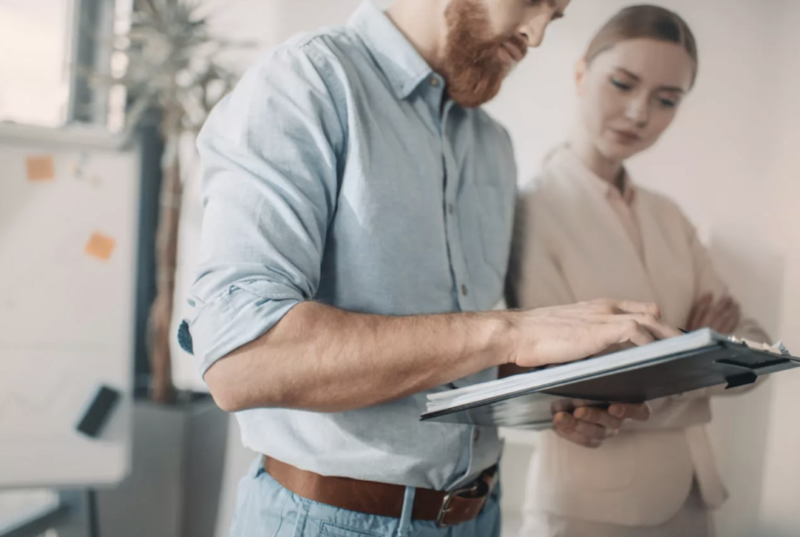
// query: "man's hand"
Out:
[722,315]
[590,426]
[566,333]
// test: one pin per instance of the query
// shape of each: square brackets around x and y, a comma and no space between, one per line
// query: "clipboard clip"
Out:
[749,373]
[742,379]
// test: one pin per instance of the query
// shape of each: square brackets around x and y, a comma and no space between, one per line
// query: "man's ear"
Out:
[581,68]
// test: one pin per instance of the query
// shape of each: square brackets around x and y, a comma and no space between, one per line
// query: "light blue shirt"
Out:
[338,171]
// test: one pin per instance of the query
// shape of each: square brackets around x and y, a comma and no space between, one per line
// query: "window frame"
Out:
[92,32]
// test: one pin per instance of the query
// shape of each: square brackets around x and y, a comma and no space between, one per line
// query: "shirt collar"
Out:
[394,54]
[628,193]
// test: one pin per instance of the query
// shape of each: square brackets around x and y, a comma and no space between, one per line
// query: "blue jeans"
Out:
[265,509]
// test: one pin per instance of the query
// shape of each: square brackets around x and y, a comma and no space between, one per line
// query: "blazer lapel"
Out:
[613,267]
[667,258]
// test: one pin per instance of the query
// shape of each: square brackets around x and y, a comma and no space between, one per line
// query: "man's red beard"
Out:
[472,68]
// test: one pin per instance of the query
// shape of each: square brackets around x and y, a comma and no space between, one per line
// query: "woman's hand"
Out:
[722,316]
[589,426]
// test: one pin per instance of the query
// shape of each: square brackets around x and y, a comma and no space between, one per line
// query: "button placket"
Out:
[453,233]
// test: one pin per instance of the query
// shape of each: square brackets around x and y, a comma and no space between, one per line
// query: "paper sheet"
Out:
[40,168]
[100,246]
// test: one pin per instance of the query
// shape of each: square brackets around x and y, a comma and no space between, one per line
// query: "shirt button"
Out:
[476,435]
[451,208]
[434,81]
[463,289]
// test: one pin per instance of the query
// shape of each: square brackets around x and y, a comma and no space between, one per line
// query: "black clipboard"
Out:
[713,360]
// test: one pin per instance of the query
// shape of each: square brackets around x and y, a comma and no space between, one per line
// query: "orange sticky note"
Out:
[40,168]
[100,246]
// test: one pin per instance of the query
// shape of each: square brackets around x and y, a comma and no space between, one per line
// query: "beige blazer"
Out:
[571,246]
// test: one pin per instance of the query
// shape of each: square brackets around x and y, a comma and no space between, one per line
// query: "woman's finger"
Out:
[598,416]
[638,412]
[698,312]
[567,423]
[718,308]
[731,319]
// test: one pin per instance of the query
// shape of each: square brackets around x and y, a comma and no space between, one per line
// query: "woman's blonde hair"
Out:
[645,22]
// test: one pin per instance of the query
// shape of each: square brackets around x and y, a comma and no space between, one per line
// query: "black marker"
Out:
[96,416]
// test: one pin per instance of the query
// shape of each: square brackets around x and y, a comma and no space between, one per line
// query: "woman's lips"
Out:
[625,136]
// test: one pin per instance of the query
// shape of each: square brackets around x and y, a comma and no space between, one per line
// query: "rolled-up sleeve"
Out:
[269,156]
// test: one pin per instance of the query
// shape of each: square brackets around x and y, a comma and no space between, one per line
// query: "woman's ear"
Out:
[581,68]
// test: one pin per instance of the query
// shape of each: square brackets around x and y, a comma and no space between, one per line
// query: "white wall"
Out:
[780,515]
[730,161]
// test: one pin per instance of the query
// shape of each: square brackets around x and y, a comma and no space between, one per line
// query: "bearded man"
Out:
[357,225]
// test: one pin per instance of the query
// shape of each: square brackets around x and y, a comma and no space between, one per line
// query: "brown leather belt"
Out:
[384,499]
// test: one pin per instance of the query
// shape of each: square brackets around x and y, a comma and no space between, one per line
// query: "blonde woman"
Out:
[586,231]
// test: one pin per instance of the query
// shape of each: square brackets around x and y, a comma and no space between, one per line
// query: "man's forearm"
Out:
[325,359]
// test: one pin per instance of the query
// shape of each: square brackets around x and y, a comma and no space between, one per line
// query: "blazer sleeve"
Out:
[685,410]
[708,281]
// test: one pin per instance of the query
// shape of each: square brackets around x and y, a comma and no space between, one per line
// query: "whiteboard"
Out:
[66,309]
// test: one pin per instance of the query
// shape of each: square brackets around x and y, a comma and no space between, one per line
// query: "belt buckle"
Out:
[447,501]
[444,509]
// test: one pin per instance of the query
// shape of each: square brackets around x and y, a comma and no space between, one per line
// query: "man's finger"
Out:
[629,330]
[623,411]
[599,417]
[657,328]
[642,308]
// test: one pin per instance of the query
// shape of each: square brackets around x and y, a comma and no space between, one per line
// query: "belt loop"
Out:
[404,527]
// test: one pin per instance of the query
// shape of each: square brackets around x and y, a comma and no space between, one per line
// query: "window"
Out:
[35,51]
[47,50]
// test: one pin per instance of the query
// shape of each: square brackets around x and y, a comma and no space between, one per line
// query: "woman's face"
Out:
[630,94]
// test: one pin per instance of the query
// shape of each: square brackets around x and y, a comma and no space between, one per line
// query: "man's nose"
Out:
[533,32]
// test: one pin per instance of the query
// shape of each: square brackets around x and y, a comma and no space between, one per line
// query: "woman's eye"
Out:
[621,85]
[667,103]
